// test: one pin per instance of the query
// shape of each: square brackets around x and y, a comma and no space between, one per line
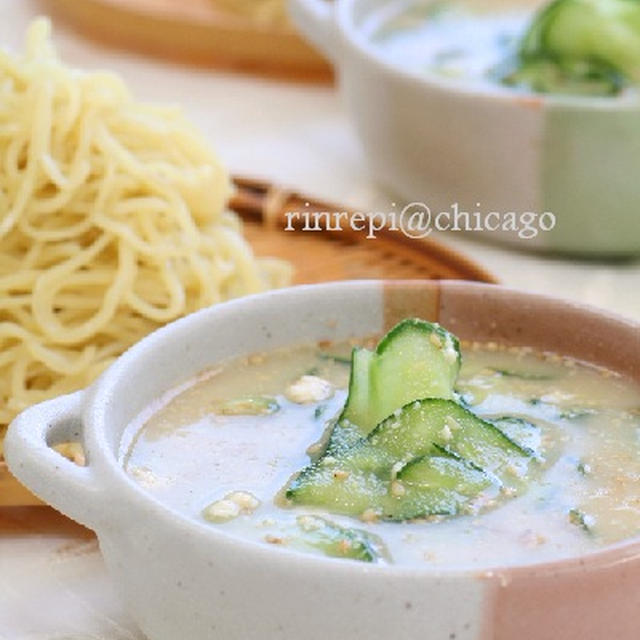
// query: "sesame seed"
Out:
[434,339]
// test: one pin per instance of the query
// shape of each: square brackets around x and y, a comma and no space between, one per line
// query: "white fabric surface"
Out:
[297,135]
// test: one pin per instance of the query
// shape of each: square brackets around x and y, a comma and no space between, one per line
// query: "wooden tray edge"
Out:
[281,54]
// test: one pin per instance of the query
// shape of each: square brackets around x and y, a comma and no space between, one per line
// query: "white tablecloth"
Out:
[294,134]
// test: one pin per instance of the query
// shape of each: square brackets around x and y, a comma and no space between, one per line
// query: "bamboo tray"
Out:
[340,255]
[194,32]
[317,257]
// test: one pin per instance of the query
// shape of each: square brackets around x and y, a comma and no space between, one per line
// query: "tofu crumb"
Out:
[513,470]
[309,389]
[445,433]
[271,539]
[145,477]
[231,506]
[310,523]
[397,489]
[369,515]
[395,469]
[471,508]
[247,502]
[345,546]
[450,353]
[434,339]
[315,448]
[221,511]
[452,423]
[340,474]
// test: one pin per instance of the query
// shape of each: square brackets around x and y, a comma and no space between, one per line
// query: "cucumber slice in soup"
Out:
[336,541]
[347,428]
[521,431]
[402,447]
[430,425]
[435,485]
[338,486]
[368,475]
[416,359]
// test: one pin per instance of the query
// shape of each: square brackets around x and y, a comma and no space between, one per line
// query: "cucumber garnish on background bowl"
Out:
[579,47]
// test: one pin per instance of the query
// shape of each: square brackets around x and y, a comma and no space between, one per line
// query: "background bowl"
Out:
[443,141]
[182,578]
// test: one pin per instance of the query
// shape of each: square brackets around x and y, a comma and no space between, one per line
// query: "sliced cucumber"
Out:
[351,425]
[581,47]
[336,541]
[339,487]
[426,426]
[568,78]
[605,32]
[524,433]
[581,519]
[416,359]
[435,485]
[402,448]
[369,475]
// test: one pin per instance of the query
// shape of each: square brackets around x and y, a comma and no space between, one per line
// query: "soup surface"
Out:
[221,448]
[446,39]
[489,45]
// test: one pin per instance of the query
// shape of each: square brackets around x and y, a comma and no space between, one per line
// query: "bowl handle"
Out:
[68,487]
[315,18]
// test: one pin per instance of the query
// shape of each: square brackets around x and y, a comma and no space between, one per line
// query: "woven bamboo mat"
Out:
[316,257]
[340,255]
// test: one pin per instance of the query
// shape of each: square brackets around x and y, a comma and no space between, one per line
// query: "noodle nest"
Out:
[112,223]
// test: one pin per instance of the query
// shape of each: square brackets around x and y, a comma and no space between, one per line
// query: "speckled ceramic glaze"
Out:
[439,141]
[182,578]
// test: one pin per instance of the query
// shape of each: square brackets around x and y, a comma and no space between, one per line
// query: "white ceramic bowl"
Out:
[440,141]
[184,579]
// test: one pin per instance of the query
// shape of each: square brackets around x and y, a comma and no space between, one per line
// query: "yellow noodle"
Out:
[112,222]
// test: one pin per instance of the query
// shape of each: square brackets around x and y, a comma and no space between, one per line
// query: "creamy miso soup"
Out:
[221,448]
[447,39]
[557,47]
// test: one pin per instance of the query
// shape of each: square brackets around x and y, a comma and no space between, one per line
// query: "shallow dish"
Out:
[184,579]
[488,148]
